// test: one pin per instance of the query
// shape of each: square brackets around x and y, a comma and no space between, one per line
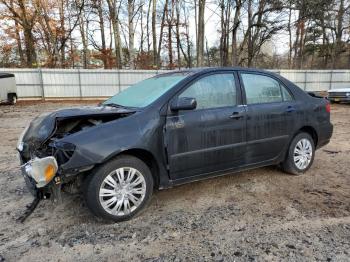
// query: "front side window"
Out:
[213,91]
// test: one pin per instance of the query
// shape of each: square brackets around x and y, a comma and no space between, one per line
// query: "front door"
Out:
[211,137]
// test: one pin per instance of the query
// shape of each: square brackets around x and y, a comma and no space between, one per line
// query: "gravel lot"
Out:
[259,215]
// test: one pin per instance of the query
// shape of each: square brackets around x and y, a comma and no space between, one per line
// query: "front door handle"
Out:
[290,109]
[236,115]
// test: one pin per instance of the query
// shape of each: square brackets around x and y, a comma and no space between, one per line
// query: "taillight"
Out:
[328,107]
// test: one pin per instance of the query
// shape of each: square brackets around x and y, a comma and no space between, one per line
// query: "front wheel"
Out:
[119,189]
[300,155]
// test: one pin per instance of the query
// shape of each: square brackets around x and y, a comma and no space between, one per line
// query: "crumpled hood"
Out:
[44,125]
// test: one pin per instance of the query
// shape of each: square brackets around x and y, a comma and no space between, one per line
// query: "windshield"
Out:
[145,92]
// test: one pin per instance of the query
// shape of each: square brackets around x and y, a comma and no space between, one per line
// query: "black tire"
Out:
[288,165]
[12,98]
[94,181]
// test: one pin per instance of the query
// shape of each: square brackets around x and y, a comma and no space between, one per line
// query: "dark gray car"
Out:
[172,129]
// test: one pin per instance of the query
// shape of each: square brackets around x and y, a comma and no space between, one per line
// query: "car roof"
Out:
[199,70]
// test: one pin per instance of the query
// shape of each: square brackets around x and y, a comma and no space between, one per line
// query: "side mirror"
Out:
[183,103]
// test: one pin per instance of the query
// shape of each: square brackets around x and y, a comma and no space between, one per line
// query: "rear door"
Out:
[211,137]
[271,113]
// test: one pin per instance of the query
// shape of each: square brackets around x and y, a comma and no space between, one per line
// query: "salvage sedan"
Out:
[171,129]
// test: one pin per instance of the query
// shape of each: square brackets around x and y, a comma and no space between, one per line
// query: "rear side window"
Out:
[286,95]
[263,89]
[213,91]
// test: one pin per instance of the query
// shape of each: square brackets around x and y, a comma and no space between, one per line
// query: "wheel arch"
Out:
[148,158]
[311,131]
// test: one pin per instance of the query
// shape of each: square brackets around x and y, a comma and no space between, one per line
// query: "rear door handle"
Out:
[290,109]
[236,115]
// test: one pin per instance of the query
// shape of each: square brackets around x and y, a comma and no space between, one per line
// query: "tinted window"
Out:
[261,89]
[213,91]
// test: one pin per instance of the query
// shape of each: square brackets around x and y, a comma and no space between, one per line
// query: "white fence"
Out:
[87,83]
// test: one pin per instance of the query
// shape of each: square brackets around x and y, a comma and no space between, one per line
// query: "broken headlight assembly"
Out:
[42,170]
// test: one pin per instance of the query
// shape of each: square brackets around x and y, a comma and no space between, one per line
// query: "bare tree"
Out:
[26,17]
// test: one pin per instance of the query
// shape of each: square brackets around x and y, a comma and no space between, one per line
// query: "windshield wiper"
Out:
[118,106]
[114,105]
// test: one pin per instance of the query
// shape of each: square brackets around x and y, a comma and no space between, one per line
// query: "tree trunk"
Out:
[207,51]
[29,42]
[102,31]
[178,33]
[200,46]
[290,36]
[188,41]
[19,44]
[18,40]
[236,23]
[338,35]
[301,44]
[131,5]
[222,25]
[147,27]
[63,34]
[250,28]
[30,47]
[154,33]
[227,34]
[113,13]
[142,29]
[161,33]
[84,42]
[325,43]
[71,43]
[170,40]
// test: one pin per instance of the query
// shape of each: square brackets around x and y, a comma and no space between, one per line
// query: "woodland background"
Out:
[168,34]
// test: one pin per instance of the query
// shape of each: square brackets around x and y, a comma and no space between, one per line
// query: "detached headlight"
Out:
[42,170]
[20,139]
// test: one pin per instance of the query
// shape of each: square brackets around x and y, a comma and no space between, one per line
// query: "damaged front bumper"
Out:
[38,173]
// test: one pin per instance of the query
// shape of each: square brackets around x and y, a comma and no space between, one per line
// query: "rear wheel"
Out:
[300,154]
[119,189]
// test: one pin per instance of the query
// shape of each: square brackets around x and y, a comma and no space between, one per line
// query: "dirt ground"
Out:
[259,215]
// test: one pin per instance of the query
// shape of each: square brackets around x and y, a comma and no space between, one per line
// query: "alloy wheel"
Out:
[122,191]
[303,154]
